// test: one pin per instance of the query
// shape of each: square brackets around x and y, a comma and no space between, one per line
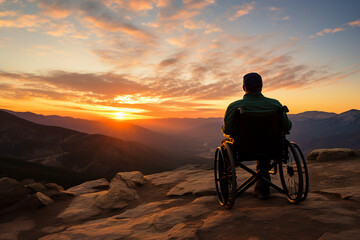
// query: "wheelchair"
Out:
[260,136]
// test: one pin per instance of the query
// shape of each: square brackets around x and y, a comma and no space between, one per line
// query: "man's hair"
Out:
[253,82]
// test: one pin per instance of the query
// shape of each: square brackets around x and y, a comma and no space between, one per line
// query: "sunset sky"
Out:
[183,58]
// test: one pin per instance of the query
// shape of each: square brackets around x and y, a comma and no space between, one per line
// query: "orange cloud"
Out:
[244,9]
[189,39]
[354,23]
[163,3]
[138,5]
[344,27]
[7,13]
[51,9]
[114,26]
[197,4]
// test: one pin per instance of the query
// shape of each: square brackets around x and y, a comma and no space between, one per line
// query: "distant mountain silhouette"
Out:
[92,153]
[124,130]
[199,137]
[330,130]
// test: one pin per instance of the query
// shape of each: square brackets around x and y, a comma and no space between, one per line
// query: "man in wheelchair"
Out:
[253,102]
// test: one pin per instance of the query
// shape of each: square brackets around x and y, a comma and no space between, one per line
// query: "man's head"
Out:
[252,83]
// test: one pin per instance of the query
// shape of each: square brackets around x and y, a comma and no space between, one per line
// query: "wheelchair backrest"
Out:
[259,134]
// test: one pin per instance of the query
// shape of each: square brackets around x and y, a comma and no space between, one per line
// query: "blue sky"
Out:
[183,58]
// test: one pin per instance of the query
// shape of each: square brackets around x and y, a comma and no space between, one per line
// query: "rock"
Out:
[351,192]
[11,191]
[36,187]
[53,229]
[118,192]
[132,179]
[49,189]
[171,177]
[328,211]
[220,217]
[10,230]
[147,221]
[199,183]
[331,154]
[145,209]
[54,186]
[40,200]
[27,181]
[345,235]
[82,207]
[89,187]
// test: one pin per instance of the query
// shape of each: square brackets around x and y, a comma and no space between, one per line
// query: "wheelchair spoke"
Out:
[291,175]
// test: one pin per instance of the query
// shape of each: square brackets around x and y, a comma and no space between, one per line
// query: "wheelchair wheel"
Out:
[304,171]
[225,178]
[291,175]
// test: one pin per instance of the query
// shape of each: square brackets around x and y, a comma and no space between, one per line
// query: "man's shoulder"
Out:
[273,100]
[236,103]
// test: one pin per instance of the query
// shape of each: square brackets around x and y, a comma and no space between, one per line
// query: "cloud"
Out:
[99,16]
[139,5]
[354,23]
[189,39]
[173,60]
[24,21]
[244,9]
[273,9]
[197,4]
[344,27]
[7,13]
[173,16]
[329,30]
[100,84]
[163,3]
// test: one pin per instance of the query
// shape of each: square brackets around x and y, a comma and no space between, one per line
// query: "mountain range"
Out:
[79,151]
[149,144]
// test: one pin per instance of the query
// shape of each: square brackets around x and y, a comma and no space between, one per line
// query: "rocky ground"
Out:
[181,204]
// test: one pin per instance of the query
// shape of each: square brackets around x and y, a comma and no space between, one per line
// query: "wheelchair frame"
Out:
[293,166]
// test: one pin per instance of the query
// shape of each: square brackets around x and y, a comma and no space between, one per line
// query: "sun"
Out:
[119,115]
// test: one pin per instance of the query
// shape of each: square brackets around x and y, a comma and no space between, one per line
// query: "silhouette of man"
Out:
[254,101]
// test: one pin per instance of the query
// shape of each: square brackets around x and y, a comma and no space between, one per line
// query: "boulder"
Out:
[11,191]
[54,186]
[118,192]
[331,154]
[49,189]
[132,179]
[40,200]
[89,187]
[36,187]
[82,207]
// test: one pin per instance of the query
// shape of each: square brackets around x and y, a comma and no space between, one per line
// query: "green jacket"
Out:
[252,102]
